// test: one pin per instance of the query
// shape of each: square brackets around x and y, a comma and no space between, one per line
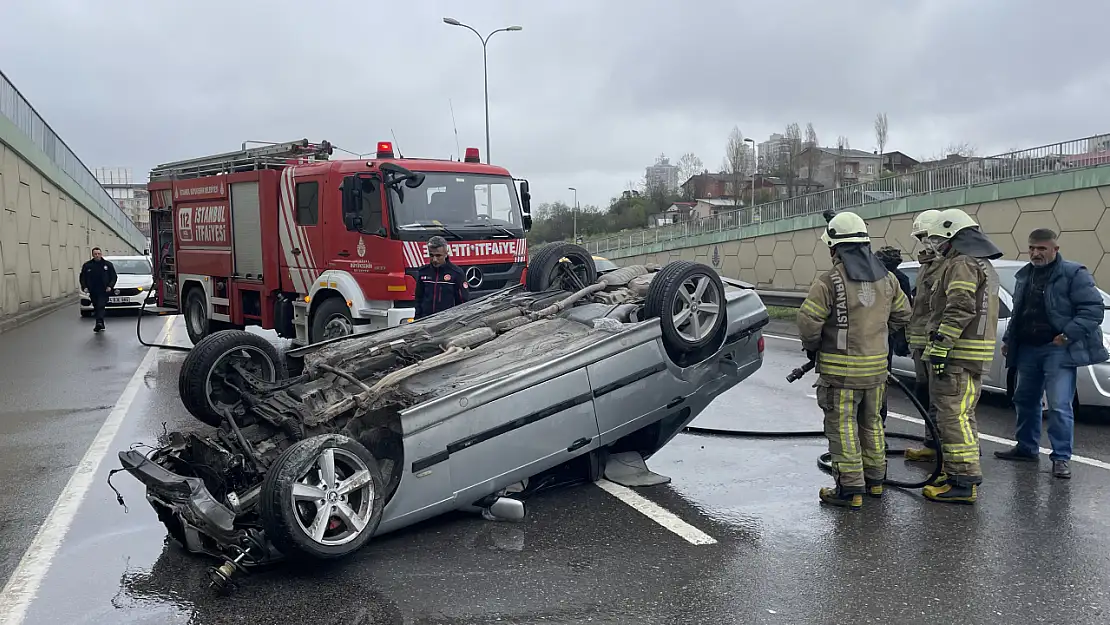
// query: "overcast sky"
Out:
[586,95]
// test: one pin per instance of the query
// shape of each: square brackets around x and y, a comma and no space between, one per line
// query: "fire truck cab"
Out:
[285,238]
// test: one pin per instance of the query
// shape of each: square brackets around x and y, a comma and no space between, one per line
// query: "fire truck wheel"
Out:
[196,315]
[331,319]
[561,266]
[201,381]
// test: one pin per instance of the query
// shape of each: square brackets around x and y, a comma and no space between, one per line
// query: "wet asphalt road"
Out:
[1036,549]
[58,382]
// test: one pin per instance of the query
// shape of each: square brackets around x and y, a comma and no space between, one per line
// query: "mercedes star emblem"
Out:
[473,277]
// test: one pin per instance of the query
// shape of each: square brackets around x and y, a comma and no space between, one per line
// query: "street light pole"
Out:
[575,213]
[485,72]
[755,167]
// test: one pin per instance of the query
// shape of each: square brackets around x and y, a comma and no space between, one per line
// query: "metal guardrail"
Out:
[17,109]
[1043,160]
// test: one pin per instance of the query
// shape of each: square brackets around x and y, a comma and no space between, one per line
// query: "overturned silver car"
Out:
[320,449]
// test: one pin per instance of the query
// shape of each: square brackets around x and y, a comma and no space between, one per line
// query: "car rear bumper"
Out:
[116,302]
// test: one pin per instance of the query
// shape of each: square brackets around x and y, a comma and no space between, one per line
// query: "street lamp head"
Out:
[452,21]
[515,28]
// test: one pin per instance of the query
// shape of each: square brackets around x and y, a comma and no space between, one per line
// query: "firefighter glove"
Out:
[938,357]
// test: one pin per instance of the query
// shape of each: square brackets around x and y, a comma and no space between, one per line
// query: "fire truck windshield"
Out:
[456,200]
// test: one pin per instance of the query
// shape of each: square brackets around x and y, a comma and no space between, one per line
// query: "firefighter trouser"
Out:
[956,394]
[923,392]
[854,428]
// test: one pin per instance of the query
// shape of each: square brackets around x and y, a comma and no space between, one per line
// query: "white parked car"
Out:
[1092,382]
[134,285]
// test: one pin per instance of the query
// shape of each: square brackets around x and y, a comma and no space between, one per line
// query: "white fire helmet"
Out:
[845,227]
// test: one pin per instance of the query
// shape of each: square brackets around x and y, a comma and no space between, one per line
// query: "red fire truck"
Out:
[283,237]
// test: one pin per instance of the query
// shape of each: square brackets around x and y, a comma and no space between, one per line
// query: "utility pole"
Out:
[485,73]
[575,212]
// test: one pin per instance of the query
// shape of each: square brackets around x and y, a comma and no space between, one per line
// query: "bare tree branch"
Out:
[789,164]
[813,156]
[736,161]
[838,172]
[881,137]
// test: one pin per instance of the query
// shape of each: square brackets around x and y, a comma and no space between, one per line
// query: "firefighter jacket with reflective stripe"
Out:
[923,289]
[439,288]
[847,324]
[964,311]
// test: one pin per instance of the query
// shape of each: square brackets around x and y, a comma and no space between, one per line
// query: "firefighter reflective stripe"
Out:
[846,424]
[967,450]
[950,331]
[972,349]
[815,309]
[918,340]
[872,432]
[899,298]
[961,284]
[851,366]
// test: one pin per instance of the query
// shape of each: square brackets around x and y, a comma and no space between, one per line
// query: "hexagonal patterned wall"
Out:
[45,236]
[790,260]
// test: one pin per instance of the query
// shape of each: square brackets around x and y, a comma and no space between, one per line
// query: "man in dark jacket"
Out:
[891,257]
[440,284]
[98,278]
[1054,329]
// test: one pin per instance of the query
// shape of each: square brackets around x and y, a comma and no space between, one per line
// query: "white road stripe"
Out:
[656,513]
[1094,462]
[1009,443]
[24,583]
[783,338]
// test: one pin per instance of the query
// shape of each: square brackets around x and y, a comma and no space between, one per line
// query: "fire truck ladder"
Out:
[274,156]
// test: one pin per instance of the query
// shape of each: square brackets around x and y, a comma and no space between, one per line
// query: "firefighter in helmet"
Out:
[922,290]
[959,347]
[843,324]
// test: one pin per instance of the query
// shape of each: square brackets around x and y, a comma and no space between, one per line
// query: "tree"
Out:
[736,162]
[841,148]
[813,156]
[789,162]
[688,167]
[881,137]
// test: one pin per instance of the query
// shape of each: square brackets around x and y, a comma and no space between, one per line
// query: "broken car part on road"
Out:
[570,377]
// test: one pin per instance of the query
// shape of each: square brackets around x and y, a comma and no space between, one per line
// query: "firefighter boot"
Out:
[956,489]
[874,488]
[924,454]
[839,497]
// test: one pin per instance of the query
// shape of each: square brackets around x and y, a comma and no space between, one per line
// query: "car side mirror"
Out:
[527,222]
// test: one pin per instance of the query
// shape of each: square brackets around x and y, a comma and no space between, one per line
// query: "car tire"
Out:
[288,522]
[331,309]
[546,272]
[665,294]
[197,384]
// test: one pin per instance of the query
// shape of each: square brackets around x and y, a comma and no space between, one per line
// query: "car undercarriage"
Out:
[309,447]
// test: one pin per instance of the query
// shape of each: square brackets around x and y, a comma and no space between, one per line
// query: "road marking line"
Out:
[23,585]
[1009,443]
[783,338]
[657,513]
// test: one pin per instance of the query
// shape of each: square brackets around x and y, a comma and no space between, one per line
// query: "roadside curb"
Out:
[778,326]
[27,316]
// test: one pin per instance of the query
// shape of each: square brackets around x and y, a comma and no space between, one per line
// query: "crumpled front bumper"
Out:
[190,502]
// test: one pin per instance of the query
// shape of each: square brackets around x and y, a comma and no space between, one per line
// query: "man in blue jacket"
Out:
[441,283]
[1055,328]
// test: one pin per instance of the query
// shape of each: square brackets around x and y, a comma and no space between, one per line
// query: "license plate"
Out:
[118,300]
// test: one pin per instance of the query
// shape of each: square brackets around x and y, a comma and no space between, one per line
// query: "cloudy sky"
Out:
[586,95]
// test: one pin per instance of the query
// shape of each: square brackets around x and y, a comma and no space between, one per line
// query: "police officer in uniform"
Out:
[441,283]
[960,346]
[843,324]
[98,278]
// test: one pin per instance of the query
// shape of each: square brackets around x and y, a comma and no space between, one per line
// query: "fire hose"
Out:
[139,333]
[824,462]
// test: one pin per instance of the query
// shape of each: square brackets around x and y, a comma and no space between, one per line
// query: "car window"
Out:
[140,266]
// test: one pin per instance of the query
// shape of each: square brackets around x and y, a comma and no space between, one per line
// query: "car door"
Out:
[633,388]
[537,427]
[996,376]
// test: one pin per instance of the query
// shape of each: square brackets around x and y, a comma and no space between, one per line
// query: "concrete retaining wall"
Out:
[47,229]
[1075,204]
